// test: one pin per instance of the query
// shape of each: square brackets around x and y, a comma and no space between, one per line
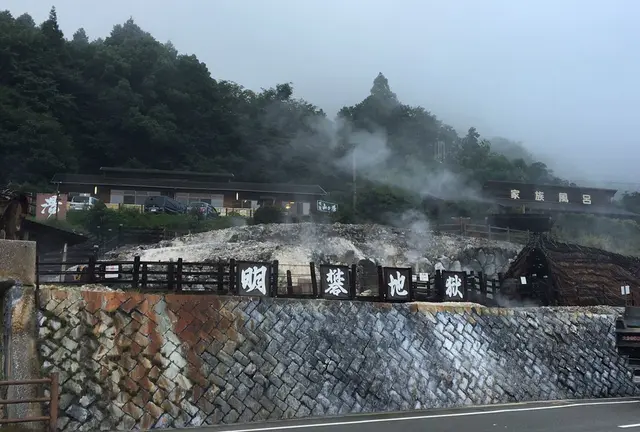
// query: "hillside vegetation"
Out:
[75,104]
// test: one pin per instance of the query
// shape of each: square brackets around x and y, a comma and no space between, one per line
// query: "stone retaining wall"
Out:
[128,360]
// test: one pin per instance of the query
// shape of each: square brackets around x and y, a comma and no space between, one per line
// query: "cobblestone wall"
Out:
[128,360]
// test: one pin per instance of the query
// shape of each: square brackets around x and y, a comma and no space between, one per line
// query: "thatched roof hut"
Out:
[576,275]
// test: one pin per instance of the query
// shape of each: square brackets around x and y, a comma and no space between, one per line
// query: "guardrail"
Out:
[54,395]
[485,231]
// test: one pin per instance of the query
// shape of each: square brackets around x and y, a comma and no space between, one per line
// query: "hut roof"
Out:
[581,275]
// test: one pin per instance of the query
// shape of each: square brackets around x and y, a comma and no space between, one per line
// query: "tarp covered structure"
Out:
[577,275]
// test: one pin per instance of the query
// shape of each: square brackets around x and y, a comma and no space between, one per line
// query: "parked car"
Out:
[82,202]
[205,209]
[163,204]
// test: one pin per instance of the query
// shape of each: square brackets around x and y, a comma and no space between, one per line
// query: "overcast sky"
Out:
[560,75]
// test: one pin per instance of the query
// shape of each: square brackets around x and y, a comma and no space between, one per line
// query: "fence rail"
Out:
[485,231]
[54,393]
[273,280]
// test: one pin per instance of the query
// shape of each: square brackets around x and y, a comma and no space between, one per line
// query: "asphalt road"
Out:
[604,415]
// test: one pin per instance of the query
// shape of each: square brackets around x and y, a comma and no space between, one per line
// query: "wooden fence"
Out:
[54,394]
[269,279]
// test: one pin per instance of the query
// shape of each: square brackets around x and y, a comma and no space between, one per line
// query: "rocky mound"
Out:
[295,245]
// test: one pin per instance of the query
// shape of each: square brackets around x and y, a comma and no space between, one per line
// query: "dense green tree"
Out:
[77,104]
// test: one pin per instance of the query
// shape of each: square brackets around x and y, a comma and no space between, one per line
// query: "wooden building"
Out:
[548,199]
[133,186]
[532,207]
[566,274]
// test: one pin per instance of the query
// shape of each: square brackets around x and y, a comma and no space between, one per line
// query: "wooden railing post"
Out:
[354,280]
[232,277]
[136,272]
[289,284]
[483,287]
[275,277]
[53,405]
[92,269]
[439,283]
[314,280]
[170,275]
[220,277]
[179,275]
[145,276]
[382,294]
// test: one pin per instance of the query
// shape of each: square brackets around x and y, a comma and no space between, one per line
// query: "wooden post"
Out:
[170,275]
[473,288]
[92,269]
[381,285]
[220,277]
[145,276]
[289,284]
[483,286]
[314,280]
[353,281]
[179,275]
[63,266]
[53,404]
[135,275]
[232,277]
[412,291]
[274,276]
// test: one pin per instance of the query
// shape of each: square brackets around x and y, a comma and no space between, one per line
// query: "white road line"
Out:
[629,426]
[429,416]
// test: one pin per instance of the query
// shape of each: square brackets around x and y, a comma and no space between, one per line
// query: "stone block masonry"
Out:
[129,360]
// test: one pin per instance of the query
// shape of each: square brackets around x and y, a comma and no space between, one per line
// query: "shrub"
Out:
[267,215]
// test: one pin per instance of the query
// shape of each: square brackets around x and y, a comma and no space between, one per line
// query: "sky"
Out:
[559,75]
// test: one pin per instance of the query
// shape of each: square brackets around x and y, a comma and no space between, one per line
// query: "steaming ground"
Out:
[295,245]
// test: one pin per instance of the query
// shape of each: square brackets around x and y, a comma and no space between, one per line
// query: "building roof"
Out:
[180,184]
[50,238]
[119,170]
[581,275]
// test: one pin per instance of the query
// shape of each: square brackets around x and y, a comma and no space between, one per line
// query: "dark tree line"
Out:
[75,104]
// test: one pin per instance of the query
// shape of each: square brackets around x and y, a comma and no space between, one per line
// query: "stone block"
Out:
[18,261]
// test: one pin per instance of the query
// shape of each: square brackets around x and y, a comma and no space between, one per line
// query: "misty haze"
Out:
[558,77]
[216,213]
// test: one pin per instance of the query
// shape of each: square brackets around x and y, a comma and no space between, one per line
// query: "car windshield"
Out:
[80,199]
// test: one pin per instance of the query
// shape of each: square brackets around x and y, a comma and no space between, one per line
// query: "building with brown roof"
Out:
[133,186]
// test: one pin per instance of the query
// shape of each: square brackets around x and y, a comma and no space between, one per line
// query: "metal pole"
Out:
[353,162]
[57,198]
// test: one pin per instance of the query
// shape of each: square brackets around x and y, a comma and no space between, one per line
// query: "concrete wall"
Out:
[19,354]
[18,261]
[129,360]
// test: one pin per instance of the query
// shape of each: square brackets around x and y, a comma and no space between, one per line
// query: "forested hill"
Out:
[74,104]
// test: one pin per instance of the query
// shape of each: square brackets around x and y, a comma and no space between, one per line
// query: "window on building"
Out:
[190,198]
[138,197]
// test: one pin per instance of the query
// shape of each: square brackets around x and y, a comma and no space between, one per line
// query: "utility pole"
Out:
[353,167]
[57,198]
